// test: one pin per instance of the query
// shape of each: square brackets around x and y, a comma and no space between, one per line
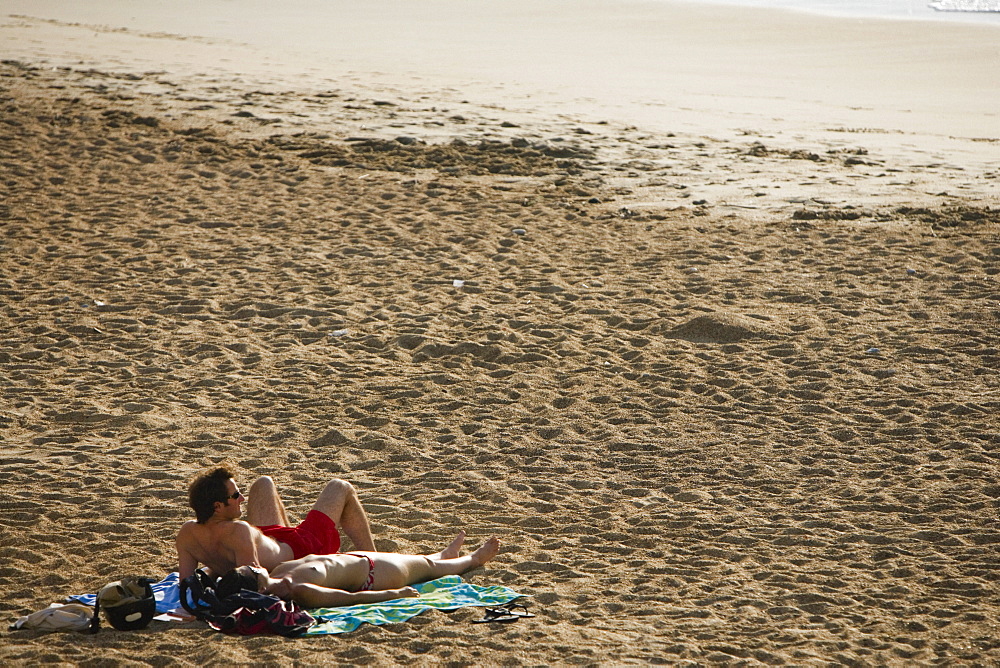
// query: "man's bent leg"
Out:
[264,506]
[339,501]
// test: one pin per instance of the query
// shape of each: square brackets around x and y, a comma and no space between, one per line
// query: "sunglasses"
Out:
[235,495]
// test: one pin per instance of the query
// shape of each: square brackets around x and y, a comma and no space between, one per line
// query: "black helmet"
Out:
[129,604]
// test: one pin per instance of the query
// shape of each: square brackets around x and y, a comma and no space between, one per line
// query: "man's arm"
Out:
[242,540]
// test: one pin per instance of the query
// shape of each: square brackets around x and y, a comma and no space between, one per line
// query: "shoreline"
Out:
[951,160]
[674,66]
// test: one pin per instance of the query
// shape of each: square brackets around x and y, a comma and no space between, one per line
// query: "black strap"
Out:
[95,623]
[202,595]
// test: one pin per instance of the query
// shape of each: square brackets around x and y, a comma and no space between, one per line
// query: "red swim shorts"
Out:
[316,534]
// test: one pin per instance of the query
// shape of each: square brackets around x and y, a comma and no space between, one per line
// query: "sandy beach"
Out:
[711,345]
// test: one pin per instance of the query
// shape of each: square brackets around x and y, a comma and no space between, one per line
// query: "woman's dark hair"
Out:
[234,582]
[205,490]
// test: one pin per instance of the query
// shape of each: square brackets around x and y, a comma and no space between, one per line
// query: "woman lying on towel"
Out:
[349,578]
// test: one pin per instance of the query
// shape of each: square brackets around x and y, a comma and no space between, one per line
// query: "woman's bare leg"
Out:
[264,506]
[485,553]
[400,570]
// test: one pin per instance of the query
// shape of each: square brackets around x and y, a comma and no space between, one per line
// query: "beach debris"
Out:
[457,283]
[406,140]
[911,271]
[519,231]
[873,351]
[340,332]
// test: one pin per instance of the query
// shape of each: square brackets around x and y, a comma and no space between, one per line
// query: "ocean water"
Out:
[886,9]
[227,18]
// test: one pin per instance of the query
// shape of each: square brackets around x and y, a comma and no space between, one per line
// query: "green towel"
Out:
[447,593]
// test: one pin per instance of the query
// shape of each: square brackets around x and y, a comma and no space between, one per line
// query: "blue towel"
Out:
[167,592]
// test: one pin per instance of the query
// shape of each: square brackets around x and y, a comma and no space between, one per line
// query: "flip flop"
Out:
[518,609]
[497,615]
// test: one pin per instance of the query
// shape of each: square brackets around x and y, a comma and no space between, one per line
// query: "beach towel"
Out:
[447,593]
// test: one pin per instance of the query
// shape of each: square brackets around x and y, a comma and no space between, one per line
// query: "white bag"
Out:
[58,617]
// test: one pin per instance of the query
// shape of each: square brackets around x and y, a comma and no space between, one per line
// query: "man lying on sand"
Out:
[355,577]
[220,540]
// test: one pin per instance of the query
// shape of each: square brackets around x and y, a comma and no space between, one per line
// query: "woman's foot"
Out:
[454,549]
[486,552]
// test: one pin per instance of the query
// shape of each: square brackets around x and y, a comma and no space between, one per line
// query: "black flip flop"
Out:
[518,609]
[501,615]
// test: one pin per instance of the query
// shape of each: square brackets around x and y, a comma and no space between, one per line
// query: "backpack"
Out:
[244,612]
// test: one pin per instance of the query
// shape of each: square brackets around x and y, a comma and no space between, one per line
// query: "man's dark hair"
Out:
[205,490]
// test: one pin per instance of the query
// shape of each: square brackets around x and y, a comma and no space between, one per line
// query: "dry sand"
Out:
[727,399]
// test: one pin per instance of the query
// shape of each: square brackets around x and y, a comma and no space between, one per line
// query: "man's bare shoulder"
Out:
[189,530]
[239,529]
[233,528]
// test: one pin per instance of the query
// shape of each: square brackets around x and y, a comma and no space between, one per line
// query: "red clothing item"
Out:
[371,571]
[316,534]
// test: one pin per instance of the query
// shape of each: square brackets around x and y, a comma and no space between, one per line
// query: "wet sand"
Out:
[727,399]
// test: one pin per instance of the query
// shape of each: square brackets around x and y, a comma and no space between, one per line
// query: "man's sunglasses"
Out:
[234,495]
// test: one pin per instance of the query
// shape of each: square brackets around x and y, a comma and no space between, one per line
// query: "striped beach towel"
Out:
[447,593]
